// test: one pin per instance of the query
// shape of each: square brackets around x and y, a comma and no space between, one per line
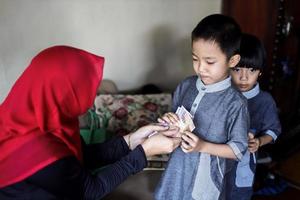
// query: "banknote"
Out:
[185,119]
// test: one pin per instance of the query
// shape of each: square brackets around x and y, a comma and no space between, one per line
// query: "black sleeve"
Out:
[101,154]
[110,177]
[68,179]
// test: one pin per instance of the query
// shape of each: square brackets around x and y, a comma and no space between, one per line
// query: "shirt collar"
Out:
[253,92]
[222,85]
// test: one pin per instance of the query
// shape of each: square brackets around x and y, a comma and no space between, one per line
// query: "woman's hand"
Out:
[140,135]
[160,143]
[191,143]
[253,143]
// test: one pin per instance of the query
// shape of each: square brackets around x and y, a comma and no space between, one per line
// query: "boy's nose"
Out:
[201,67]
[244,75]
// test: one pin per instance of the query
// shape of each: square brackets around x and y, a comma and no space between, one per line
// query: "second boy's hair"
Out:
[223,30]
[253,54]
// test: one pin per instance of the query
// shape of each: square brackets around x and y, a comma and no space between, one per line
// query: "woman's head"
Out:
[215,47]
[59,85]
[68,75]
[39,117]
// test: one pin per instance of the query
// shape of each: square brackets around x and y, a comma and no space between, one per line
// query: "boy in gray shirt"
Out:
[264,121]
[199,169]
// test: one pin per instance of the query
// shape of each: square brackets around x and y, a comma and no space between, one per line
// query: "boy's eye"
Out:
[252,70]
[210,63]
[195,59]
[235,69]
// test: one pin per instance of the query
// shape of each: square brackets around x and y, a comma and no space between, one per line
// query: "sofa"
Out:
[119,114]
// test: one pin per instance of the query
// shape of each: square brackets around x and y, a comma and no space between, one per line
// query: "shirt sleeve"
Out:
[238,131]
[67,178]
[101,154]
[97,186]
[271,124]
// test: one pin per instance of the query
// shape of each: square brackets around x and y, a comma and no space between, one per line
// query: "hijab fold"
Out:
[39,117]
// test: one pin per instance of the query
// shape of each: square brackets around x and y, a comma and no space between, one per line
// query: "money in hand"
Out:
[185,119]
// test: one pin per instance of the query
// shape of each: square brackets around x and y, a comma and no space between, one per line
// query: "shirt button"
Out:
[203,88]
[194,105]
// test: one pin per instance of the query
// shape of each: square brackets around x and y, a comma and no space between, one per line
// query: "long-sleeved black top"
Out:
[67,178]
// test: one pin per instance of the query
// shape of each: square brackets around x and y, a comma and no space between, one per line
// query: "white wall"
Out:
[143,41]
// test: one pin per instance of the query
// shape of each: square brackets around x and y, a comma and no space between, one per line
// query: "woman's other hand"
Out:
[140,135]
[160,144]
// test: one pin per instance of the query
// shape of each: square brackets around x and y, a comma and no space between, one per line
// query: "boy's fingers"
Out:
[166,119]
[157,127]
[173,120]
[187,139]
[160,120]
[172,117]
[251,141]
[191,135]
[185,147]
[250,135]
[252,144]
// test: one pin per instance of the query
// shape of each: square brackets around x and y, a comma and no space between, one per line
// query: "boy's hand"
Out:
[253,143]
[191,142]
[169,118]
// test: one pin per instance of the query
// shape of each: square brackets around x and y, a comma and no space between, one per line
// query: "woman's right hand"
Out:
[160,144]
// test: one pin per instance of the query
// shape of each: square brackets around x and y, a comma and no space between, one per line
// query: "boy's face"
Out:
[210,63]
[244,78]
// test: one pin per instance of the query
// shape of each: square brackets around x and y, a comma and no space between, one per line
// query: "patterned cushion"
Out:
[121,114]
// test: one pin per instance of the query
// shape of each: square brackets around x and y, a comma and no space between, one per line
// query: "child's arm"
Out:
[270,125]
[192,143]
[237,143]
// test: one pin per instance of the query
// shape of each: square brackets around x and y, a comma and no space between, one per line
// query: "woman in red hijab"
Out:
[41,153]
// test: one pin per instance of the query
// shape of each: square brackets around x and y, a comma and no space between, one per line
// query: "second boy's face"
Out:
[244,78]
[209,62]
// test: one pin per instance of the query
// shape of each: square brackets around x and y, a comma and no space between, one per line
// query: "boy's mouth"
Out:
[243,86]
[203,76]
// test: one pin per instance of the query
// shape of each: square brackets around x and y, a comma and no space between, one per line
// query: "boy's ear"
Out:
[234,60]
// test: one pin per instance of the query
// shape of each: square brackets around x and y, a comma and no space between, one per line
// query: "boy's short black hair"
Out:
[253,54]
[222,29]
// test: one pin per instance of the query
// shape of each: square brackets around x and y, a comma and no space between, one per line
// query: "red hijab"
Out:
[39,117]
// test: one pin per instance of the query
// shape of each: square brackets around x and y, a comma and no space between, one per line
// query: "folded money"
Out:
[185,119]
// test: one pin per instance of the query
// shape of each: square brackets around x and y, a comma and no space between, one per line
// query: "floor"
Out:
[289,194]
[137,187]
[142,185]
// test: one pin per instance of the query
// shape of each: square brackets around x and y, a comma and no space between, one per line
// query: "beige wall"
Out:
[143,41]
